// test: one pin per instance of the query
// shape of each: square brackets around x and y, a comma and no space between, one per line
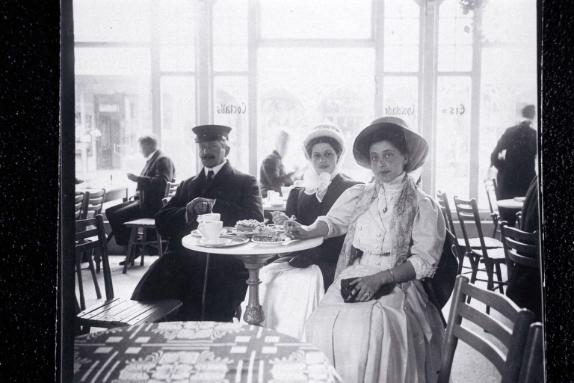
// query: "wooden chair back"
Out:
[532,370]
[170,192]
[507,359]
[80,202]
[520,247]
[467,213]
[490,188]
[442,199]
[93,228]
[95,202]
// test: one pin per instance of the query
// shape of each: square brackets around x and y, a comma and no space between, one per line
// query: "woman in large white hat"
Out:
[293,286]
[381,326]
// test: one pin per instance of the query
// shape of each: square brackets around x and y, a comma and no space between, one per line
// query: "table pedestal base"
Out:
[253,263]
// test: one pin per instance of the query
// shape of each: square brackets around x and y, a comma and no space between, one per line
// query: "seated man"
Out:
[179,273]
[272,172]
[151,188]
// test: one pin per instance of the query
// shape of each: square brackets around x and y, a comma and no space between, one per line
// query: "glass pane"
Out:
[452,149]
[455,36]
[177,120]
[340,19]
[401,36]
[177,22]
[112,20]
[111,113]
[112,61]
[400,99]
[507,84]
[301,87]
[177,58]
[231,109]
[230,35]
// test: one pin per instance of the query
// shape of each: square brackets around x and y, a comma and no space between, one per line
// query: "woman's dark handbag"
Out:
[440,286]
[349,297]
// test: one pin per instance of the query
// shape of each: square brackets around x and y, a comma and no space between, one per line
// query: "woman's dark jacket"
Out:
[306,208]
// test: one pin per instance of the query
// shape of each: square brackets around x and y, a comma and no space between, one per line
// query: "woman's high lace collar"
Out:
[394,185]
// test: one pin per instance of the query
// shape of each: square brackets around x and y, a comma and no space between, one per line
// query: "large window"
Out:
[458,75]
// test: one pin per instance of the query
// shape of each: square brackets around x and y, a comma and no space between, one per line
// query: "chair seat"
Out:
[497,255]
[119,312]
[489,242]
[142,222]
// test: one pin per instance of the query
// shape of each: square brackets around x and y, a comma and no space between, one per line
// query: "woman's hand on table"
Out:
[278,217]
[295,230]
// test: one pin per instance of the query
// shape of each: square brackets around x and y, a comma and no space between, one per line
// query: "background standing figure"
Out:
[272,173]
[151,188]
[513,157]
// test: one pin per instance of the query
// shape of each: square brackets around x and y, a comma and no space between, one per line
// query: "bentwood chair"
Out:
[532,370]
[150,236]
[492,258]
[80,202]
[85,256]
[94,204]
[506,359]
[491,193]
[520,247]
[114,312]
[171,189]
[489,242]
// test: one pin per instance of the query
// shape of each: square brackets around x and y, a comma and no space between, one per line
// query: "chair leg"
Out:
[159,245]
[80,283]
[97,259]
[131,243]
[145,239]
[94,277]
[499,277]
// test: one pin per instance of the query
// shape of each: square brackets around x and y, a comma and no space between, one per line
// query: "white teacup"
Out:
[209,217]
[210,231]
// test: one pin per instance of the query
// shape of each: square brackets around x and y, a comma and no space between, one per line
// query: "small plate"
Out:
[225,242]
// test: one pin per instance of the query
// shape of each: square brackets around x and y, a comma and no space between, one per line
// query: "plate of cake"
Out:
[247,226]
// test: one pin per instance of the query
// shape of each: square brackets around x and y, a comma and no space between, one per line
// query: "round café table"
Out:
[197,352]
[254,256]
[511,203]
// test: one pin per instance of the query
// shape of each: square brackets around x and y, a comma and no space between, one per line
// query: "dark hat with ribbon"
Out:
[206,133]
[395,130]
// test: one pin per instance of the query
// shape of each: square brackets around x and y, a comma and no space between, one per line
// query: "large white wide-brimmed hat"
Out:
[384,127]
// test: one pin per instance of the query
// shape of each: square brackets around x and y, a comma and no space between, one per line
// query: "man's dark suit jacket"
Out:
[516,171]
[179,273]
[152,184]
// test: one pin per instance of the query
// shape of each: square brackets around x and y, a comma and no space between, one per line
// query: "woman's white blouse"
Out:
[372,232]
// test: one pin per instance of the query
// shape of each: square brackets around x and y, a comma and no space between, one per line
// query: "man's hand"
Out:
[133,177]
[200,205]
[364,288]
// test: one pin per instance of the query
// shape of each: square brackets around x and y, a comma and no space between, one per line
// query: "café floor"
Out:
[468,366]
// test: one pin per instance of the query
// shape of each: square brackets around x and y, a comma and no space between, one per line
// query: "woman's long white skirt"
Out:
[395,339]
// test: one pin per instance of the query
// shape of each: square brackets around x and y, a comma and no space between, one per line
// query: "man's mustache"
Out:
[208,157]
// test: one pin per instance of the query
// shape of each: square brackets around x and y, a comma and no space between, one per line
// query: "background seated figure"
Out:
[292,290]
[179,273]
[384,329]
[151,188]
[272,172]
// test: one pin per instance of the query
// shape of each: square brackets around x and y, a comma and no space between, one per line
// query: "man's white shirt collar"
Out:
[151,155]
[215,169]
